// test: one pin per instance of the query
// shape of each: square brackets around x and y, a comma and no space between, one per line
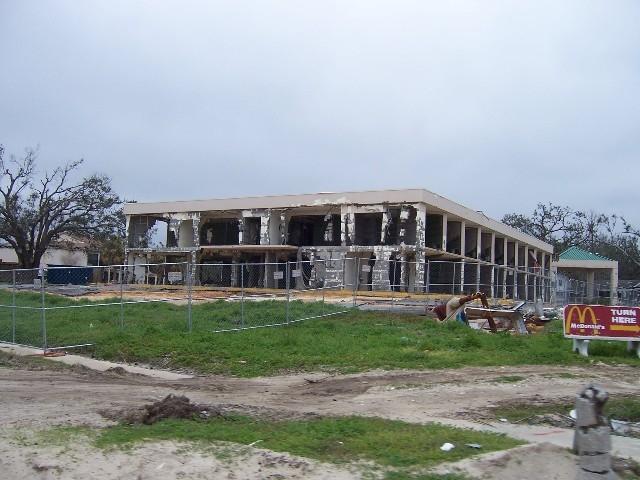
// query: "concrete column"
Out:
[553,273]
[493,281]
[526,269]
[543,281]
[195,270]
[235,271]
[385,225]
[493,268]
[421,235]
[479,243]
[613,286]
[380,274]
[264,228]
[516,247]
[420,272]
[444,231]
[283,229]
[591,285]
[127,224]
[421,225]
[505,262]
[196,228]
[536,275]
[463,239]
[240,231]
[268,281]
[403,273]
[300,266]
[493,247]
[347,225]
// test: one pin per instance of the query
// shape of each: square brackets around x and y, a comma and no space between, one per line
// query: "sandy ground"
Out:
[35,399]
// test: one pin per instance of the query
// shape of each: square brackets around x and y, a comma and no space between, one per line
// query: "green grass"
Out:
[620,408]
[387,443]
[155,334]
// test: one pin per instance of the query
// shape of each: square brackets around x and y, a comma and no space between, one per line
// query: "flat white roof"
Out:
[434,204]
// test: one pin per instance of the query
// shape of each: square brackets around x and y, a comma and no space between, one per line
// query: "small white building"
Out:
[592,276]
[66,252]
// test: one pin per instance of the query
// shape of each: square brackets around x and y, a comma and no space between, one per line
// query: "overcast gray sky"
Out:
[497,105]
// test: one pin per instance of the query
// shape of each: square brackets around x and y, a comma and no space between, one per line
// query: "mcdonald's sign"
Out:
[602,322]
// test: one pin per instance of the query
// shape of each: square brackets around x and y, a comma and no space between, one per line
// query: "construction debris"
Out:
[172,406]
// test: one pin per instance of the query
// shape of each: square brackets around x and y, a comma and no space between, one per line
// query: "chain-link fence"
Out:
[414,285]
[61,307]
[58,307]
[256,295]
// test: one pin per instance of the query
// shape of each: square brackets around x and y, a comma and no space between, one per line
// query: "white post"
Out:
[445,224]
[516,247]
[526,276]
[505,262]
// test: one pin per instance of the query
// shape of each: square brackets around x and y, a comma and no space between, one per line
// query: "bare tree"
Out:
[624,241]
[551,223]
[608,235]
[38,210]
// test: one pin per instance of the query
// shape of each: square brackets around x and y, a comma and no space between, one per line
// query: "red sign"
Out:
[599,321]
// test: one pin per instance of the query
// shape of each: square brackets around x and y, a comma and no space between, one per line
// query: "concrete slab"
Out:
[93,364]
[621,446]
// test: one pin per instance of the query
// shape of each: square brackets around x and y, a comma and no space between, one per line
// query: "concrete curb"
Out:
[93,364]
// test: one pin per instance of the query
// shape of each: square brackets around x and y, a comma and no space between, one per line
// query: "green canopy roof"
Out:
[577,253]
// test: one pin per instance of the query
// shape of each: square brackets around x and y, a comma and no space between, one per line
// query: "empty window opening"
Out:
[471,242]
[368,228]
[499,248]
[149,232]
[433,233]
[310,230]
[485,249]
[453,237]
[251,231]
[220,232]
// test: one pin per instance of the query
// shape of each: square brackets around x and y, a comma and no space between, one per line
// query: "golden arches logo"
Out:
[581,313]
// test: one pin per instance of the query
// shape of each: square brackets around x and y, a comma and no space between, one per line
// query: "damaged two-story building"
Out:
[411,240]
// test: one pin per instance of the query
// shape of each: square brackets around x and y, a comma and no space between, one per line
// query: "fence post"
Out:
[427,274]
[43,311]
[324,282]
[121,296]
[190,269]
[13,310]
[393,282]
[288,293]
[242,294]
[453,280]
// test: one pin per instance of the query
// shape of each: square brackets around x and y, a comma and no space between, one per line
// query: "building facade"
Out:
[586,276]
[410,240]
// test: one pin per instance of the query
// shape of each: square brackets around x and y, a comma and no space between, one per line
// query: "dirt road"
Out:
[35,399]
